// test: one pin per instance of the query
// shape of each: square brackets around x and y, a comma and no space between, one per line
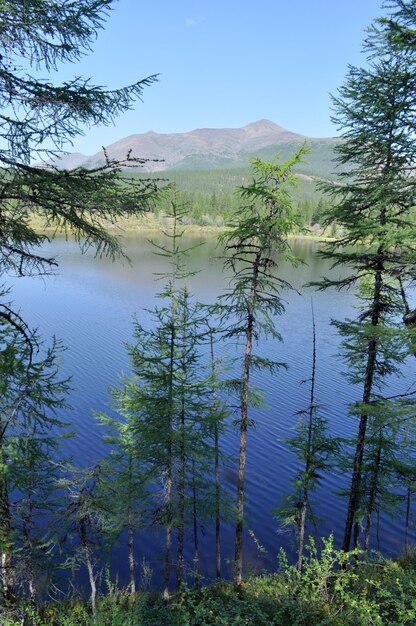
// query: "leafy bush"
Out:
[334,588]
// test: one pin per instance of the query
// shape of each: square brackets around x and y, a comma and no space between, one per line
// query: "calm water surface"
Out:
[89,304]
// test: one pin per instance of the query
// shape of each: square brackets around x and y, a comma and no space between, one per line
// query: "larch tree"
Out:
[256,236]
[219,414]
[88,521]
[167,406]
[31,394]
[315,450]
[126,483]
[39,119]
[373,204]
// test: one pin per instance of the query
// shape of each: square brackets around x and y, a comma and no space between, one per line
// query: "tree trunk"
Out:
[238,557]
[182,450]
[7,567]
[195,520]
[130,530]
[406,532]
[168,542]
[130,541]
[304,506]
[354,498]
[373,492]
[27,523]
[181,504]
[169,472]
[302,522]
[89,563]
[217,466]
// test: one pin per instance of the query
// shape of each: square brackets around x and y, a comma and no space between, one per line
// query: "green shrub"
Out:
[334,588]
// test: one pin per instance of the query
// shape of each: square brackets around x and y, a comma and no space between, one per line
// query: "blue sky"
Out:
[225,63]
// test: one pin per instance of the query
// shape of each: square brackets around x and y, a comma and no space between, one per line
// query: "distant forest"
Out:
[210,196]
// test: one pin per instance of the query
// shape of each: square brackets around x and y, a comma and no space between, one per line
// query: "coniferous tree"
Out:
[258,232]
[126,483]
[39,119]
[315,450]
[31,394]
[405,472]
[385,416]
[218,417]
[373,205]
[88,523]
[166,402]
[37,507]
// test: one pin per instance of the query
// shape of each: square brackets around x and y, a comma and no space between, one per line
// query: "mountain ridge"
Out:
[201,148]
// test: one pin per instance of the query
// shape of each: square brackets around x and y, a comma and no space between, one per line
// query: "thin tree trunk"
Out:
[354,498]
[181,506]
[7,567]
[130,540]
[169,473]
[195,520]
[304,506]
[181,503]
[27,523]
[130,530]
[373,492]
[238,555]
[168,544]
[238,558]
[302,523]
[182,456]
[217,466]
[406,531]
[89,564]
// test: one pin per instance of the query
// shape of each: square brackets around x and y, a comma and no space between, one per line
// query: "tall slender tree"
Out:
[126,484]
[166,401]
[373,201]
[256,235]
[316,452]
[31,394]
[218,417]
[88,517]
[406,474]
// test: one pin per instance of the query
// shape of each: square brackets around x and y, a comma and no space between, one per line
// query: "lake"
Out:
[89,304]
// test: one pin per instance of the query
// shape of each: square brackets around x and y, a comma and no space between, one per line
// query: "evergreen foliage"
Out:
[170,416]
[255,236]
[316,451]
[374,205]
[30,429]
[163,466]
[38,119]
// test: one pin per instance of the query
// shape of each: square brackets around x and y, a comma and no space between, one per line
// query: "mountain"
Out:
[71,160]
[211,148]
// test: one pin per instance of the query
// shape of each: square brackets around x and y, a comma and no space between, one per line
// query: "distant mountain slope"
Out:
[71,160]
[211,148]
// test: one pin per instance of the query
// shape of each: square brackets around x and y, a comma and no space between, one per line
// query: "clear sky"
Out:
[225,63]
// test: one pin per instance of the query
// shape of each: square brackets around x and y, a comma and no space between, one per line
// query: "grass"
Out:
[151,223]
[334,589]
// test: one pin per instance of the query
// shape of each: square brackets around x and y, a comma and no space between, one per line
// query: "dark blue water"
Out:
[89,304]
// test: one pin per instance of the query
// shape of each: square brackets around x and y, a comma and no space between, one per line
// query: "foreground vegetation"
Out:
[334,589]
[165,443]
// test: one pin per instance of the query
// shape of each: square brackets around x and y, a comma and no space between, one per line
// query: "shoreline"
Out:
[138,226]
